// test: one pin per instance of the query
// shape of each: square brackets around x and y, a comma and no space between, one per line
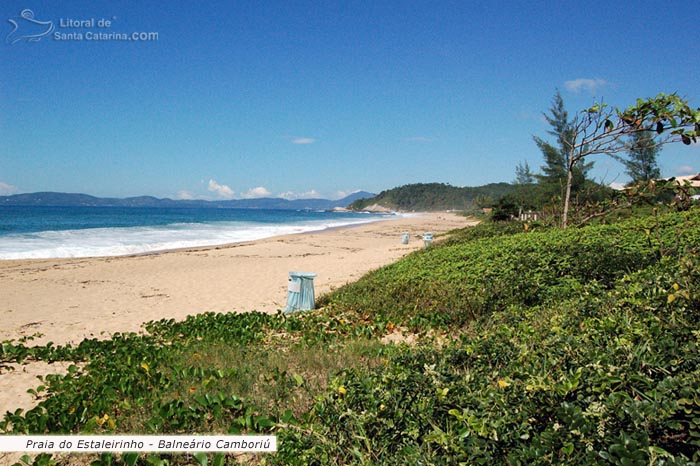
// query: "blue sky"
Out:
[318,99]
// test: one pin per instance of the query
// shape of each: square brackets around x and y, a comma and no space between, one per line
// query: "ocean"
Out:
[33,232]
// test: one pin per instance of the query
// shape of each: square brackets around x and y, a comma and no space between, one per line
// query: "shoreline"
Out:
[70,299]
[211,246]
[233,245]
[268,231]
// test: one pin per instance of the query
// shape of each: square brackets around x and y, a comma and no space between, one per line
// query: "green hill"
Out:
[434,196]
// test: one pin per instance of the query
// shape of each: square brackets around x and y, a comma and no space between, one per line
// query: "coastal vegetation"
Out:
[517,344]
[640,130]
[436,196]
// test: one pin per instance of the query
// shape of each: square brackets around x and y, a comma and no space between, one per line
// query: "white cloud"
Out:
[291,195]
[617,186]
[221,189]
[343,194]
[303,141]
[585,84]
[255,193]
[313,194]
[7,189]
[185,195]
[685,170]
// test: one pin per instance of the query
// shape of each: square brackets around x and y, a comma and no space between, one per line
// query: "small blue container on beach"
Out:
[404,238]
[300,292]
[427,238]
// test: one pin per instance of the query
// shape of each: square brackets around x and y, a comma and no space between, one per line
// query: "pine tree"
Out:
[523,175]
[642,151]
[554,171]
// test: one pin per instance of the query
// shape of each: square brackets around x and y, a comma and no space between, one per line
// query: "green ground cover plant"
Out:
[545,346]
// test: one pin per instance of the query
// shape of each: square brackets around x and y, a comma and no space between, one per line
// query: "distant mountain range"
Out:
[72,200]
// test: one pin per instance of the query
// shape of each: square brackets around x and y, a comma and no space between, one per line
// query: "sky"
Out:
[240,99]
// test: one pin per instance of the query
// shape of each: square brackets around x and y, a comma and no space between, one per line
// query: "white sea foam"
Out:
[97,242]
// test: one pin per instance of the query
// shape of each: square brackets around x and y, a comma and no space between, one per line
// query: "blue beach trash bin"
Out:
[300,292]
[427,238]
[404,238]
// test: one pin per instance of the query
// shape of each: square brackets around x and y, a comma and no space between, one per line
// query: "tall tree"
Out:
[553,180]
[554,168]
[642,152]
[523,175]
[527,193]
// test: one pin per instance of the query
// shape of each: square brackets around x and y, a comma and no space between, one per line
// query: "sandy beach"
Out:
[68,300]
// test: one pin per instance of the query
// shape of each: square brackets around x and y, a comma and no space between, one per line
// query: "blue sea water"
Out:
[33,232]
